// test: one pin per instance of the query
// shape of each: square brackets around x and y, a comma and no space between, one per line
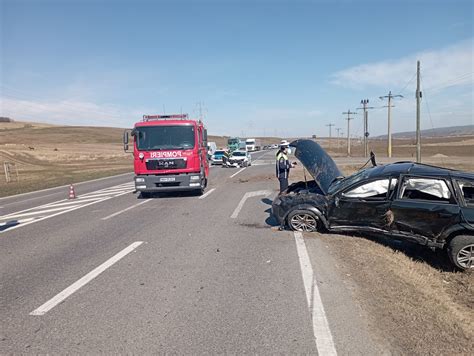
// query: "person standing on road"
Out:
[283,167]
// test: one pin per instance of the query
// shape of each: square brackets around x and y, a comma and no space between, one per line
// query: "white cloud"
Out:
[67,112]
[442,68]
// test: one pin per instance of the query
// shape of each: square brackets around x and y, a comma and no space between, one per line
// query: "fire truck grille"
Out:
[159,164]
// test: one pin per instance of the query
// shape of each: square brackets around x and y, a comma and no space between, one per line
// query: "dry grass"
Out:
[48,156]
[417,308]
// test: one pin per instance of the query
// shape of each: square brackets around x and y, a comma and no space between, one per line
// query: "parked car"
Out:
[239,158]
[216,158]
[429,205]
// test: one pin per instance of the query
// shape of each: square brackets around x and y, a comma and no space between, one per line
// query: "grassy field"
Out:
[47,156]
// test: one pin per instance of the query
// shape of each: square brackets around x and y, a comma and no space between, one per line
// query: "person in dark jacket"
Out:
[283,167]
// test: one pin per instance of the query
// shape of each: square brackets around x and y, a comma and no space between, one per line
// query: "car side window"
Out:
[376,189]
[425,189]
[467,189]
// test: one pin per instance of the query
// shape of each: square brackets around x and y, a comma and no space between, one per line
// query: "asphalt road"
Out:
[110,272]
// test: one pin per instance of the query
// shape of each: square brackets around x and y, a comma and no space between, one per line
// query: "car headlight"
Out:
[277,202]
[139,180]
[141,155]
[195,177]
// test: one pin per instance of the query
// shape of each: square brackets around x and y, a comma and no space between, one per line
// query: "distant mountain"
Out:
[467,130]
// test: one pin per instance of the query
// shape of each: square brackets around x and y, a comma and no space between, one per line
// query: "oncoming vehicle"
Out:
[170,154]
[233,144]
[239,158]
[216,158]
[429,205]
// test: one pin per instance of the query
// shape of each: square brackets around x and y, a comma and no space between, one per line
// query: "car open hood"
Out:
[317,162]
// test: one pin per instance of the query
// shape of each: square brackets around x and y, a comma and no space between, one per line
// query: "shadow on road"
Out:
[270,220]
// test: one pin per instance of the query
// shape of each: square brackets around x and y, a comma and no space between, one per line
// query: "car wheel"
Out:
[461,251]
[303,220]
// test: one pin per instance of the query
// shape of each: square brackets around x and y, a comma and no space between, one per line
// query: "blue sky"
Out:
[259,67]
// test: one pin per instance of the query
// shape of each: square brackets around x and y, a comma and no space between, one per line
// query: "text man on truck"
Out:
[169,154]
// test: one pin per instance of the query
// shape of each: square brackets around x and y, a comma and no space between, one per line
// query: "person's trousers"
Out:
[283,183]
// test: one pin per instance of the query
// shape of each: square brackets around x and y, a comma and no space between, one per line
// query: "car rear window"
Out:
[467,189]
[426,189]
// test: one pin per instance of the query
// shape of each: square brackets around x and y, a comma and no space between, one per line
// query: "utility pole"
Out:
[390,96]
[418,98]
[330,133]
[349,118]
[338,129]
[364,107]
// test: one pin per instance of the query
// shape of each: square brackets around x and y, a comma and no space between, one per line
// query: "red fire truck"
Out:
[169,154]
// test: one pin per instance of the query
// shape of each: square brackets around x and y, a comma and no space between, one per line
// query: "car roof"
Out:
[416,169]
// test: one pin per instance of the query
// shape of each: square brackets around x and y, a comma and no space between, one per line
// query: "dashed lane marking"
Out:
[207,193]
[58,298]
[233,175]
[321,331]
[29,216]
[126,209]
[245,197]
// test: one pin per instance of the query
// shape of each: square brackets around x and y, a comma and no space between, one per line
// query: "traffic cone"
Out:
[72,193]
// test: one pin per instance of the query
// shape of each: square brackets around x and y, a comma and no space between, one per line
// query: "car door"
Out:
[363,206]
[424,206]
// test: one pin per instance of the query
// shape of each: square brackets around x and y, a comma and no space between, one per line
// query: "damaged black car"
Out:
[429,205]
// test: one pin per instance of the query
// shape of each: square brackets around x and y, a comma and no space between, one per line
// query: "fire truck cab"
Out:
[169,154]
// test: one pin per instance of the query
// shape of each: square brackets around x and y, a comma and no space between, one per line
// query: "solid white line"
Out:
[12,216]
[60,213]
[58,298]
[233,175]
[245,197]
[21,221]
[124,210]
[102,194]
[207,193]
[62,186]
[321,331]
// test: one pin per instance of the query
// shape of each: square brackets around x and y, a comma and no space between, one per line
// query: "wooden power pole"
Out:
[390,96]
[418,98]
[330,133]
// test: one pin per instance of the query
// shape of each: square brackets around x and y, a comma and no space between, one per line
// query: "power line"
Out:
[408,83]
[427,105]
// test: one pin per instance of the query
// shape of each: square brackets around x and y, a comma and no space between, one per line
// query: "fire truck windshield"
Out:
[164,137]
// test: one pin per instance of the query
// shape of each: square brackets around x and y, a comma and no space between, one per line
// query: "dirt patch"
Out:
[258,178]
[414,306]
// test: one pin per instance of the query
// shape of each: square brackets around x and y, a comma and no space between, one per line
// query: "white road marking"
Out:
[245,197]
[321,331]
[59,191]
[39,212]
[126,209]
[58,298]
[22,221]
[233,175]
[64,206]
[207,193]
